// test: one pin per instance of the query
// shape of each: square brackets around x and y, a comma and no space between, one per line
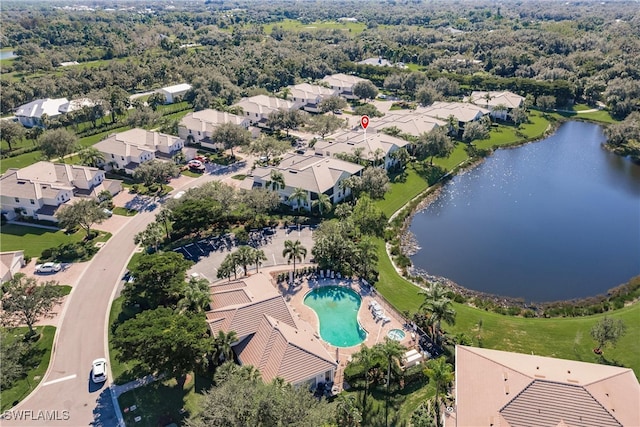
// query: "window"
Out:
[33,202]
[17,200]
[112,156]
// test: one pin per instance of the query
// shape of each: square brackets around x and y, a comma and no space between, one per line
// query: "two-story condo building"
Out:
[199,125]
[314,174]
[307,96]
[38,190]
[343,83]
[257,108]
[127,150]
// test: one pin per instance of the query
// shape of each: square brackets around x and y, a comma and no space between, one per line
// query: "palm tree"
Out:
[285,93]
[294,250]
[366,255]
[392,351]
[487,98]
[196,296]
[91,156]
[222,345]
[452,121]
[165,216]
[300,196]
[367,358]
[225,371]
[323,203]
[244,256]
[500,107]
[439,307]
[348,412]
[401,156]
[440,372]
[228,266]
[258,256]
[378,155]
[276,180]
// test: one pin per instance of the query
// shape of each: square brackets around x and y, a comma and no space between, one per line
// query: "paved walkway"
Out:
[132,385]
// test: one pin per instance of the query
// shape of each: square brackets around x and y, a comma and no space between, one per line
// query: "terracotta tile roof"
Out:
[499,388]
[544,403]
[278,350]
[229,298]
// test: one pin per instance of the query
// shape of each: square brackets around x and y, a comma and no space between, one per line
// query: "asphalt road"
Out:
[67,385]
[66,396]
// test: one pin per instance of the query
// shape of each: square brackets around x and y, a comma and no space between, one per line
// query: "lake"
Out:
[7,54]
[551,220]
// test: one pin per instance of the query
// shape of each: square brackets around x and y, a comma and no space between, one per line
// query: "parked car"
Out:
[107,212]
[99,370]
[48,267]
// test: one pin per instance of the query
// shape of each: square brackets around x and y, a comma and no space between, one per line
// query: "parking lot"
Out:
[209,253]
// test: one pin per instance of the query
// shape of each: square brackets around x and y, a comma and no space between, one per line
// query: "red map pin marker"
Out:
[364,121]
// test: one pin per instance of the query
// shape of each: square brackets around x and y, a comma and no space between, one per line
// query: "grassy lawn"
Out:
[401,192]
[39,363]
[124,211]
[20,161]
[34,240]
[163,402]
[191,174]
[239,177]
[458,156]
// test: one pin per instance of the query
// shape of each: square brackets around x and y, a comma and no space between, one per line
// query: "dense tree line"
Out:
[568,51]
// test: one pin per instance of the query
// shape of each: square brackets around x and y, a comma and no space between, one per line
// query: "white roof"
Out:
[207,120]
[462,111]
[349,141]
[134,141]
[342,80]
[264,105]
[378,62]
[309,91]
[48,106]
[506,98]
[182,87]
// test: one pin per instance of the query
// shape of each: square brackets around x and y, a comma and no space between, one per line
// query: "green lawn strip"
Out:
[601,116]
[458,156]
[565,338]
[103,236]
[42,355]
[401,192]
[34,240]
[66,289]
[239,177]
[161,402]
[121,371]
[124,211]
[20,161]
[191,174]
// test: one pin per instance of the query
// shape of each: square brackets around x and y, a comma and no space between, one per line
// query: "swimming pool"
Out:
[337,310]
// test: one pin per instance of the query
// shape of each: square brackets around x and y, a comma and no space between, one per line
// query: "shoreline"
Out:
[409,245]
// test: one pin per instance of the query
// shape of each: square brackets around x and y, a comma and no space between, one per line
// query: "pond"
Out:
[552,220]
[7,54]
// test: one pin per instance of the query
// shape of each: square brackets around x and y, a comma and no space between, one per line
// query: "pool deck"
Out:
[376,331]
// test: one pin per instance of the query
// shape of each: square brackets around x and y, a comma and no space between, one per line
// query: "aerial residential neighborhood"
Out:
[349,213]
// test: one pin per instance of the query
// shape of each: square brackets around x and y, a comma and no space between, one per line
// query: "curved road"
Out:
[67,396]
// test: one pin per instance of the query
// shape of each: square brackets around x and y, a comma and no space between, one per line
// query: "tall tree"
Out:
[25,301]
[348,414]
[165,216]
[293,250]
[276,180]
[438,307]
[266,146]
[435,144]
[11,132]
[13,353]
[230,135]
[91,156]
[366,259]
[365,90]
[155,172]
[258,257]
[392,352]
[323,203]
[440,372]
[332,104]
[244,256]
[607,331]
[150,237]
[159,280]
[369,361]
[164,341]
[57,143]
[83,213]
[222,347]
[299,195]
[325,124]
[196,296]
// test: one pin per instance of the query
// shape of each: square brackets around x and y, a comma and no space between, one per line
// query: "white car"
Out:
[48,267]
[99,370]
[178,195]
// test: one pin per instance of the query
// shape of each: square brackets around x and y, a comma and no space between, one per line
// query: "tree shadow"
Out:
[604,361]
[104,414]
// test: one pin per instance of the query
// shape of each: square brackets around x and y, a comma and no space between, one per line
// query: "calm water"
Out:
[337,310]
[552,220]
[7,54]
